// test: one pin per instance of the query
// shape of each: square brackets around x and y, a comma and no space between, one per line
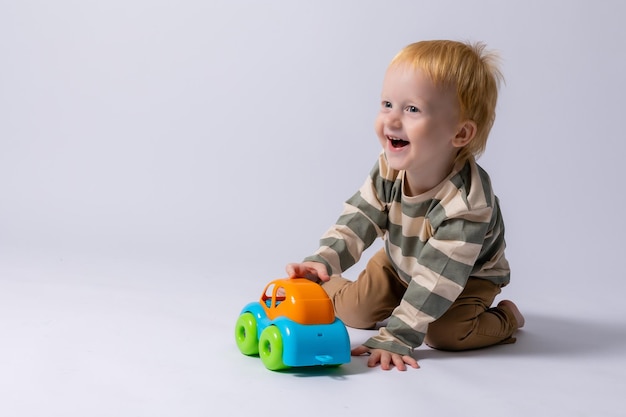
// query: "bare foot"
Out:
[510,305]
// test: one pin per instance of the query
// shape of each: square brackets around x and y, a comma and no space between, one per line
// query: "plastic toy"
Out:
[293,325]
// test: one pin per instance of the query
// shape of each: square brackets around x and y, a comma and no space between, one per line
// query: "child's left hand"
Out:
[385,358]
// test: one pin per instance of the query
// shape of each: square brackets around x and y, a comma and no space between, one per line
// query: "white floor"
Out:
[102,338]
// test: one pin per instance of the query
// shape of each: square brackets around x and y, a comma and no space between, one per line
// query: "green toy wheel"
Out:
[271,349]
[245,334]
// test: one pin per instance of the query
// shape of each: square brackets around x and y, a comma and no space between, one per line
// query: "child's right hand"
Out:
[310,270]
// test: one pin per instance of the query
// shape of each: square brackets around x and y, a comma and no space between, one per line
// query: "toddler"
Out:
[443,261]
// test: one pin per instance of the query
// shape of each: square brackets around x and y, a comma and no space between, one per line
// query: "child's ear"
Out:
[465,133]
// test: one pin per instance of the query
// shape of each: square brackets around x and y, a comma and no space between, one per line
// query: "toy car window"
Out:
[267,297]
[269,293]
[280,295]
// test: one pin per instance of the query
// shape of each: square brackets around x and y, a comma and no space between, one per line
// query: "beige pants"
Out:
[469,323]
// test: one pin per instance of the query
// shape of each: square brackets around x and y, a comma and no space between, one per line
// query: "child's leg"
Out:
[371,298]
[471,323]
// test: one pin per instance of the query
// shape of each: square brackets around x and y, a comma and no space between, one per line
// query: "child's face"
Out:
[417,123]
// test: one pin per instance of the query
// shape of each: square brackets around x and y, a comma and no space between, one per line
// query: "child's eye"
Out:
[386,104]
[412,109]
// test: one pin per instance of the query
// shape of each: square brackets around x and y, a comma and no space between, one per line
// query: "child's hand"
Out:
[385,358]
[308,270]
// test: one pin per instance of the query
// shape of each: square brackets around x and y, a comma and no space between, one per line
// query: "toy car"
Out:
[293,325]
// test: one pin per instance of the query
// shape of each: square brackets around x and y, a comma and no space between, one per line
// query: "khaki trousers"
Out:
[469,323]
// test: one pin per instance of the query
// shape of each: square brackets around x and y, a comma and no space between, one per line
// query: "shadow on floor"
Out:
[338,373]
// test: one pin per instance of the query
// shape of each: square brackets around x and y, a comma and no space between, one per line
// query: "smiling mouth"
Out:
[397,143]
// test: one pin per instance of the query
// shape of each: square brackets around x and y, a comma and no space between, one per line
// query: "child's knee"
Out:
[443,337]
[346,308]
[356,321]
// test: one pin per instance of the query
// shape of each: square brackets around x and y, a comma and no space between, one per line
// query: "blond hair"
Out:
[467,68]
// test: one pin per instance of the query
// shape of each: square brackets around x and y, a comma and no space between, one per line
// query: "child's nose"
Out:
[393,119]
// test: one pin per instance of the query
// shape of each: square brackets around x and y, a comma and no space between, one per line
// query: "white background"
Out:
[161,161]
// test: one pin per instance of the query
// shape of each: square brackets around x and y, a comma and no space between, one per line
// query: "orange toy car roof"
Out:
[299,299]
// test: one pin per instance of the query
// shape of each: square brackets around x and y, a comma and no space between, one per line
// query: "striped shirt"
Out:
[435,241]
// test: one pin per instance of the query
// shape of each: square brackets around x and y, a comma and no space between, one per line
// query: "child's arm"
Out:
[362,221]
